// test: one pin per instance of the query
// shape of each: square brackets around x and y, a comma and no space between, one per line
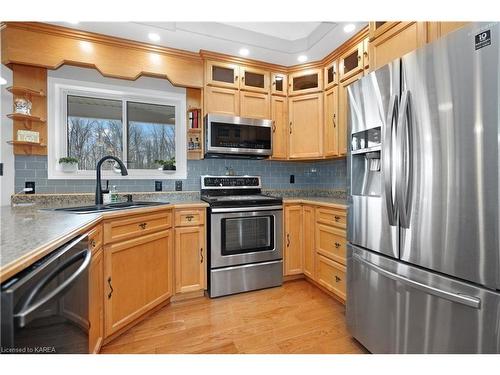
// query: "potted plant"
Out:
[166,165]
[68,164]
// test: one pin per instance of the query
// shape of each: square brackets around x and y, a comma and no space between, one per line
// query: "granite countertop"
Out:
[28,232]
[317,200]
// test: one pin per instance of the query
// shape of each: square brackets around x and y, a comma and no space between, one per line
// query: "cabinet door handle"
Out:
[290,127]
[334,120]
[110,287]
[274,126]
[337,245]
[288,240]
[274,83]
[143,225]
[242,78]
[201,255]
[337,279]
[337,218]
[235,78]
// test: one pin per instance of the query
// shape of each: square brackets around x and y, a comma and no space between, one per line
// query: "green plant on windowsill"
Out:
[166,165]
[68,164]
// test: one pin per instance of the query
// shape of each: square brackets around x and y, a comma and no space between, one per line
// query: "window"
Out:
[138,126]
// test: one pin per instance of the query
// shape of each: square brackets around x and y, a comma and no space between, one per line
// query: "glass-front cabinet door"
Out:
[331,74]
[279,84]
[351,62]
[222,74]
[254,79]
[377,28]
[305,81]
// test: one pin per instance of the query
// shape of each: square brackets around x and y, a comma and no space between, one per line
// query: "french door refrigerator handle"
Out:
[450,296]
[392,114]
[404,159]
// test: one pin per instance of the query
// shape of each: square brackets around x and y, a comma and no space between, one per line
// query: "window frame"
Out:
[58,91]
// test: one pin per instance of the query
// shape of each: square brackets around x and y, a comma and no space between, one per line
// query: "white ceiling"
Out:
[274,42]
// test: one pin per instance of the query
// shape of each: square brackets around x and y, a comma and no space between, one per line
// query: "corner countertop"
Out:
[28,233]
[321,201]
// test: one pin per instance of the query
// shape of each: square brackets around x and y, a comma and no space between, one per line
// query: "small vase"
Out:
[69,167]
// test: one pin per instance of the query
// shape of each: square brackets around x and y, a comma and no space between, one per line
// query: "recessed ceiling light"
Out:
[153,37]
[302,58]
[349,27]
[3,81]
[244,52]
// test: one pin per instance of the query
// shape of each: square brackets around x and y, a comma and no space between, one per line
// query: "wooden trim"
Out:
[187,295]
[288,278]
[210,55]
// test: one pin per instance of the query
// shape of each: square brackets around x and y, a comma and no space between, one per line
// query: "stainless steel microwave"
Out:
[232,136]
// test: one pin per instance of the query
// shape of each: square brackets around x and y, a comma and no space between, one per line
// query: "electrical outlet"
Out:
[178,185]
[292,178]
[158,186]
[31,185]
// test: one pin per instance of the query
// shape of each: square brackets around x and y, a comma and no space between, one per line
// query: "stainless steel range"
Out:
[245,236]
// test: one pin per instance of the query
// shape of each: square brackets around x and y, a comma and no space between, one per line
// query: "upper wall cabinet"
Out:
[305,81]
[436,30]
[253,79]
[377,28]
[331,74]
[396,42]
[255,105]
[351,62]
[279,84]
[222,100]
[222,74]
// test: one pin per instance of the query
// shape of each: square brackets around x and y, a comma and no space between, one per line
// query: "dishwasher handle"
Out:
[28,307]
[450,296]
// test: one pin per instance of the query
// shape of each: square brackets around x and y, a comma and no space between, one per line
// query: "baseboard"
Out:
[189,295]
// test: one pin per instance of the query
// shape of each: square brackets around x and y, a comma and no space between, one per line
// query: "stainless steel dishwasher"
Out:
[44,308]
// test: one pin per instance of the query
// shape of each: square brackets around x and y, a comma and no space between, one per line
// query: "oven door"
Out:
[238,136]
[245,235]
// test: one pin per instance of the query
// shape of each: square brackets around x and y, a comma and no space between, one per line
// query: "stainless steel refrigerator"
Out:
[423,267]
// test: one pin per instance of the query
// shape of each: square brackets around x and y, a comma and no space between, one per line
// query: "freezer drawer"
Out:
[397,308]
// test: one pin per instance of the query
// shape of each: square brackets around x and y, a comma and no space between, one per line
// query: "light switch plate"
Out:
[178,185]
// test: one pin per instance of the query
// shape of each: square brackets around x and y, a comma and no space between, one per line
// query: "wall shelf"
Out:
[24,91]
[23,143]
[21,117]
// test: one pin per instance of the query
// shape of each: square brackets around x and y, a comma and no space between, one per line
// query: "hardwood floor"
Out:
[295,318]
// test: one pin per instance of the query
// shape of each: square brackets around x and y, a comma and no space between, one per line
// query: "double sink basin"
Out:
[108,207]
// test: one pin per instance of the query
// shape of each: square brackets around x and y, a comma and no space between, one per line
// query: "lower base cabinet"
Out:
[96,298]
[292,245]
[331,275]
[308,222]
[138,277]
[190,259]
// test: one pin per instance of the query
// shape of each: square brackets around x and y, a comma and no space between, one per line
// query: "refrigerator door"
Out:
[372,117]
[397,308]
[448,143]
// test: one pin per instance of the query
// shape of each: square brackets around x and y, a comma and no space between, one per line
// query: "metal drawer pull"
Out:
[337,279]
[337,245]
[92,243]
[110,287]
[450,296]
[288,240]
[143,225]
[189,217]
[290,127]
[337,218]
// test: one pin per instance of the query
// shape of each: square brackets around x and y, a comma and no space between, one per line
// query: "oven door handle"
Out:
[245,209]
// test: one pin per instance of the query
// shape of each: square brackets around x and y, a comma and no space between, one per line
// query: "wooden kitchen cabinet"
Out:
[254,79]
[377,28]
[305,118]
[279,116]
[342,113]
[436,30]
[331,243]
[396,42]
[189,217]
[190,259]
[351,62]
[96,300]
[279,84]
[331,275]
[138,276]
[331,144]
[293,240]
[254,105]
[305,81]
[222,100]
[331,74]
[308,243]
[222,74]
[136,225]
[332,216]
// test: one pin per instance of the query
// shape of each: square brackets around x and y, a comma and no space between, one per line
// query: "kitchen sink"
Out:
[108,207]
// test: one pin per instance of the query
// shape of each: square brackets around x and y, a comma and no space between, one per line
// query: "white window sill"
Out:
[133,174]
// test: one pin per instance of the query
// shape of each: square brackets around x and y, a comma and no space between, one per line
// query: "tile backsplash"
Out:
[328,174]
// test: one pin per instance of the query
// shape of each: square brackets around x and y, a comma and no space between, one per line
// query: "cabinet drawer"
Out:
[331,275]
[331,243]
[332,216]
[122,229]
[184,218]
[95,239]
